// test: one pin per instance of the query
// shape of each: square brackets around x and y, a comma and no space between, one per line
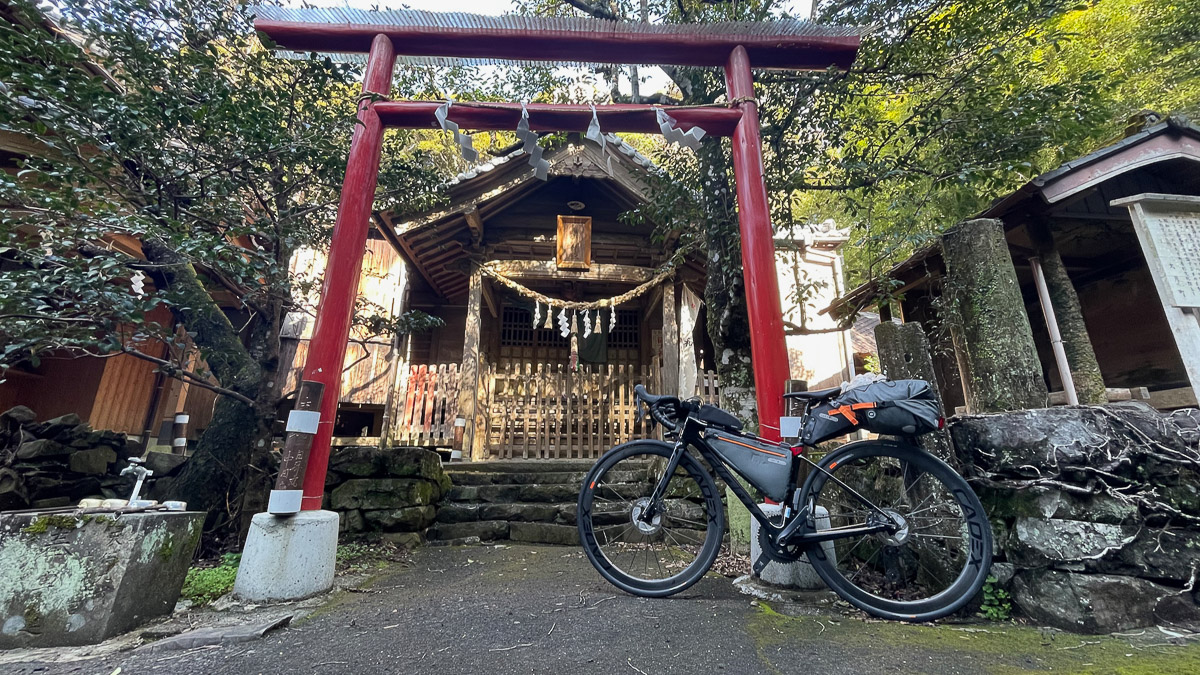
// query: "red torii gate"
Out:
[736,47]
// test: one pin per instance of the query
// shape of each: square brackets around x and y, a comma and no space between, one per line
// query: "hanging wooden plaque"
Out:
[574,242]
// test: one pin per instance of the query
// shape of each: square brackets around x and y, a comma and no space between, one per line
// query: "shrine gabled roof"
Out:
[1046,185]
[437,242]
[457,38]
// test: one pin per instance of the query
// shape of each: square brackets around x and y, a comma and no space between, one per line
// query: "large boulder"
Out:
[1056,441]
[410,519]
[1099,603]
[164,463]
[1049,503]
[43,448]
[406,461]
[361,461]
[94,461]
[18,415]
[382,493]
[1035,542]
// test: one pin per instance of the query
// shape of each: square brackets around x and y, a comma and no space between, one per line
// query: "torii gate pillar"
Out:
[768,348]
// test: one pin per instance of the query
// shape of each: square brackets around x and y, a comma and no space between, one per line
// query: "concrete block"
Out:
[78,580]
[288,557]
[799,574]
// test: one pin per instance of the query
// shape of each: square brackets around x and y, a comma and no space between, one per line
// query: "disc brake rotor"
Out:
[645,527]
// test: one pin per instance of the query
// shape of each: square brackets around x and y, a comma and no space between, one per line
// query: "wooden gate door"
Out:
[548,411]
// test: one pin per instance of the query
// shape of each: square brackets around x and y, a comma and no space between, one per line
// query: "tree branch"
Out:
[172,370]
[594,9]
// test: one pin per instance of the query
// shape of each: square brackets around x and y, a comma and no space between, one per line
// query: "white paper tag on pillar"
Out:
[789,427]
[303,421]
[282,502]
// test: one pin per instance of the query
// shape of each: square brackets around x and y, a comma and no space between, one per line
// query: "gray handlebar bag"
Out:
[889,407]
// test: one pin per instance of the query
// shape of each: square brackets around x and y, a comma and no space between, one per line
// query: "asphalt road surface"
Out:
[538,609]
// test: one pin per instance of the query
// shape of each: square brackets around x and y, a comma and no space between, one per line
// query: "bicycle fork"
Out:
[654,506]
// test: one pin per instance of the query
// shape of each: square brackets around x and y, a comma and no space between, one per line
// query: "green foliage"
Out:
[205,584]
[872,364]
[997,603]
[166,121]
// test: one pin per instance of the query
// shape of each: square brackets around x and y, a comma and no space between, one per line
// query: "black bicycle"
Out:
[889,527]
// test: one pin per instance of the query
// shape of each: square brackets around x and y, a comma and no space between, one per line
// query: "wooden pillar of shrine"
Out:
[468,375]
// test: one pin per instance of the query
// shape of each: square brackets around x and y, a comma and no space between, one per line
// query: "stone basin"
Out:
[68,579]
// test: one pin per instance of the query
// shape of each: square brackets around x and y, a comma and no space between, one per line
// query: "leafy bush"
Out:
[997,603]
[205,584]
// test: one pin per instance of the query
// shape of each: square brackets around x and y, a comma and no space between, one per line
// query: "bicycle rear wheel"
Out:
[672,551]
[938,558]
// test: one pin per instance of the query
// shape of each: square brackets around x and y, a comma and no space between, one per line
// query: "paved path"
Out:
[531,609]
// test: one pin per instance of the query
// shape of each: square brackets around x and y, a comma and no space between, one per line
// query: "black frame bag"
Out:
[893,408]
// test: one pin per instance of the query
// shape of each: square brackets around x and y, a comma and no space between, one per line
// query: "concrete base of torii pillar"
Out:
[288,557]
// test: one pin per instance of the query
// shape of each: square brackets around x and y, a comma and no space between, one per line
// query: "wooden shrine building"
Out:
[1101,213]
[517,387]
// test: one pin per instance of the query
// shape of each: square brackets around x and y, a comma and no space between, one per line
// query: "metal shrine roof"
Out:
[441,38]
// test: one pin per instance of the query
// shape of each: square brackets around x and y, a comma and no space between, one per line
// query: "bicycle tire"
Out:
[592,547]
[976,545]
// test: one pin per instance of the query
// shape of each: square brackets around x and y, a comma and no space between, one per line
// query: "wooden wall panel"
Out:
[123,395]
[365,382]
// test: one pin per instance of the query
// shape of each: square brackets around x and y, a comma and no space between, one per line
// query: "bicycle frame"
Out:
[795,529]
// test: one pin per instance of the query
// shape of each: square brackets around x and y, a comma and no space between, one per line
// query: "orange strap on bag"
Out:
[847,411]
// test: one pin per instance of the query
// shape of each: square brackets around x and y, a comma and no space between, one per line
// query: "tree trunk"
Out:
[1081,358]
[724,290]
[212,478]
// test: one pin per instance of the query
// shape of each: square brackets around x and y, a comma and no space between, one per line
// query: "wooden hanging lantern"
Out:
[574,242]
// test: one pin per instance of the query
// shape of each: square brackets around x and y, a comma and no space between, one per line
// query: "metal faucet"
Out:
[135,467]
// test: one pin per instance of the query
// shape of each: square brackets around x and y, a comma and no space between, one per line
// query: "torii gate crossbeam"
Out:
[791,45]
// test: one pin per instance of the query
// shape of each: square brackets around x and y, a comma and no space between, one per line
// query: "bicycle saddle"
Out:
[818,395]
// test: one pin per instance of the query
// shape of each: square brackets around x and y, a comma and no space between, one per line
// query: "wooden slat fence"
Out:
[427,406]
[533,410]
[709,388]
[549,411]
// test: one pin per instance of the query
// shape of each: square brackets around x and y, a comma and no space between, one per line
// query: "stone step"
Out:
[523,465]
[502,530]
[534,478]
[541,493]
[559,514]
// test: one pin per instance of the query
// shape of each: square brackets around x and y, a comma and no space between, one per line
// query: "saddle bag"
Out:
[893,408]
[768,466]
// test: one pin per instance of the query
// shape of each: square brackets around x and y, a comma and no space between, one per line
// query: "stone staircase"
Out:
[515,500]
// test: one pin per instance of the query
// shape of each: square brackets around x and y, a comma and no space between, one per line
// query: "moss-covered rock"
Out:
[382,493]
[410,519]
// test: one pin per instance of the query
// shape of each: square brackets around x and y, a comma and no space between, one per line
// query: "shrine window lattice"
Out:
[516,330]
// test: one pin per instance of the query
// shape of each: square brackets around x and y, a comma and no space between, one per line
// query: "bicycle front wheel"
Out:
[941,551]
[667,553]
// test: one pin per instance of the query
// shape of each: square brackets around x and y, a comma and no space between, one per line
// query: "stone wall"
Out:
[60,461]
[1096,512]
[393,492]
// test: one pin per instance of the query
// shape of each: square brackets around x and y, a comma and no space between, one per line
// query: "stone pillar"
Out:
[1089,383]
[992,337]
[468,375]
[904,354]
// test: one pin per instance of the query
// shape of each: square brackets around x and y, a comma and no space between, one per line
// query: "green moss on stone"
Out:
[1007,649]
[43,523]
